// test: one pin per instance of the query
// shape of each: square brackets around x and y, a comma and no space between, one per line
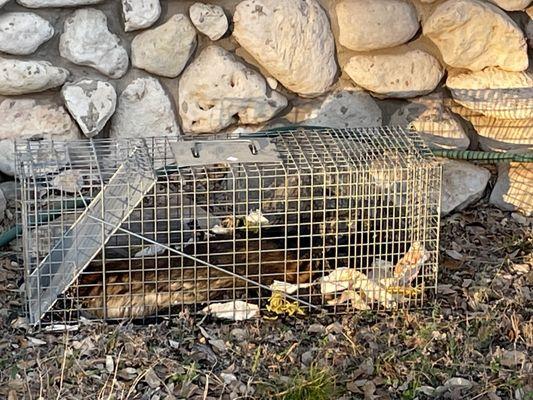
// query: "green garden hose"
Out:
[488,156]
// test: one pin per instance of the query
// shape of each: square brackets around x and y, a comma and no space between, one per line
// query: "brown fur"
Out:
[138,294]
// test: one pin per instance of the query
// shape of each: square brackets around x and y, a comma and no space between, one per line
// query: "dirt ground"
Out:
[474,342]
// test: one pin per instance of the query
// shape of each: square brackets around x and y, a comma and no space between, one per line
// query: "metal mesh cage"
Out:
[337,220]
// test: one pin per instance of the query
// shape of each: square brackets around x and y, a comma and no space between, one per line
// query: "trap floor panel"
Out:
[338,220]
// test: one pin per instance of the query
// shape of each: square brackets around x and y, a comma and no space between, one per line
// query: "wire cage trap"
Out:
[331,219]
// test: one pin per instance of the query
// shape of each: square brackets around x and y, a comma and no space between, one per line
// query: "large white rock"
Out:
[87,41]
[216,90]
[24,119]
[375,24]
[513,189]
[4,2]
[166,49]
[439,128]
[341,109]
[472,34]
[292,40]
[57,3]
[140,14]
[502,134]
[209,19]
[512,5]
[21,33]
[494,92]
[462,184]
[21,77]
[144,110]
[91,103]
[408,74]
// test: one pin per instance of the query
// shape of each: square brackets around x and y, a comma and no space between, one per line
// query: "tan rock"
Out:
[512,5]
[410,74]
[501,134]
[340,109]
[514,188]
[91,103]
[292,40]
[434,122]
[140,14]
[472,34]
[166,49]
[462,185]
[216,90]
[27,76]
[494,92]
[144,110]
[21,33]
[375,24]
[86,40]
[209,19]
[25,119]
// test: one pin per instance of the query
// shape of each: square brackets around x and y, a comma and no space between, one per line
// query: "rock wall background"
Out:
[457,70]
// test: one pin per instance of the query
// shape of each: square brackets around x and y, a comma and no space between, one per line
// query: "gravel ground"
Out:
[475,341]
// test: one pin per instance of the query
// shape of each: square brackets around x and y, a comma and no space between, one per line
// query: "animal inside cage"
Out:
[335,220]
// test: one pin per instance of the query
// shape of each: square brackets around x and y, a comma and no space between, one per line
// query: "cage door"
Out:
[133,179]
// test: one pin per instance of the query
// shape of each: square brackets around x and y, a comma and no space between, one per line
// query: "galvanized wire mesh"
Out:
[126,229]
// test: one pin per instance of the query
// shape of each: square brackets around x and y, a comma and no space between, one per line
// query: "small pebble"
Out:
[239,334]
[317,328]
[522,220]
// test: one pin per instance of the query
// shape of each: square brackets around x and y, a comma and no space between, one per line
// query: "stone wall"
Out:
[457,70]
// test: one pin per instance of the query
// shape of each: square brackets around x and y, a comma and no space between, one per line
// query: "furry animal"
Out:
[141,288]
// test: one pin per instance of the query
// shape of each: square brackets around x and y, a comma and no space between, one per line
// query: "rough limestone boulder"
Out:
[209,19]
[473,34]
[166,49]
[410,74]
[512,5]
[143,110]
[91,103]
[513,188]
[140,14]
[25,119]
[502,134]
[216,91]
[375,24]
[292,40]
[462,184]
[21,77]
[21,33]
[341,109]
[494,92]
[439,127]
[57,3]
[87,41]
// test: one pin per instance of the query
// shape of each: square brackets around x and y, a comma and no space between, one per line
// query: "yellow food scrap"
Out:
[278,304]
